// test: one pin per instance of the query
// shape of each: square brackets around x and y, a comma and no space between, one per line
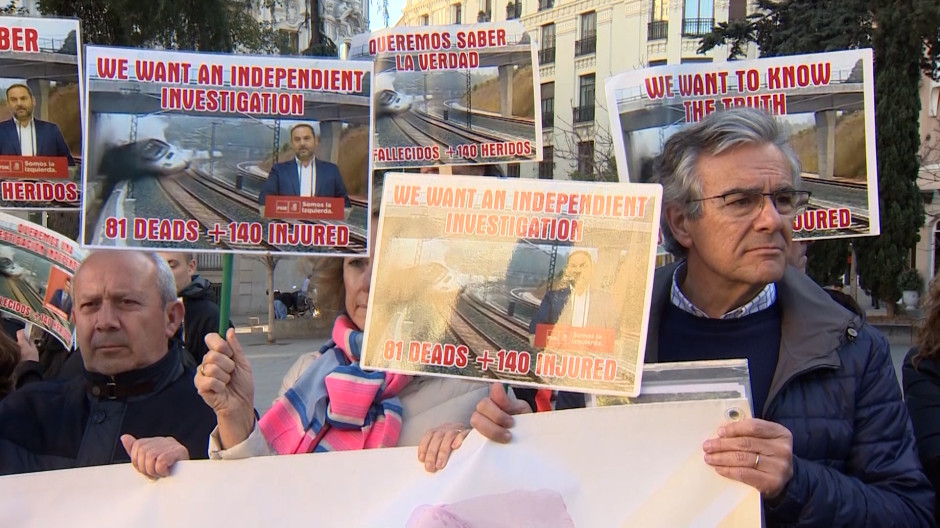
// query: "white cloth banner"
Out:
[631,465]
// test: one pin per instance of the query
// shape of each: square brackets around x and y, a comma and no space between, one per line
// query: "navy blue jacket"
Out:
[49,140]
[284,180]
[64,424]
[835,389]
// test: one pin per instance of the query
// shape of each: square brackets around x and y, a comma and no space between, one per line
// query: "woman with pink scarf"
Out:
[327,402]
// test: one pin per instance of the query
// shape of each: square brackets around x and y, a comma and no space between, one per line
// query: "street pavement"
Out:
[270,362]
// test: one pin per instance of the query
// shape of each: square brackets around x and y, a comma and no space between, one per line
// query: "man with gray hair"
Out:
[830,443]
[126,313]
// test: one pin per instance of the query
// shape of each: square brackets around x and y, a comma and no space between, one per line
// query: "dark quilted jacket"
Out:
[836,391]
[922,394]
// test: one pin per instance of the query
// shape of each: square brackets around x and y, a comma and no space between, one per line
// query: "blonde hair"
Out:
[327,277]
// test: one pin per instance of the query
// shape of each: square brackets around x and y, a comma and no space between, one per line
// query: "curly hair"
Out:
[928,338]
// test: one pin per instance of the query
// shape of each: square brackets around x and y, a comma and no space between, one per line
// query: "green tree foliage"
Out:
[796,26]
[899,51]
[737,34]
[204,25]
[827,261]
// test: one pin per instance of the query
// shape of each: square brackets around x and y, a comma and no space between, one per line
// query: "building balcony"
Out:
[547,55]
[513,9]
[585,46]
[546,169]
[548,119]
[209,261]
[697,27]
[583,113]
[657,30]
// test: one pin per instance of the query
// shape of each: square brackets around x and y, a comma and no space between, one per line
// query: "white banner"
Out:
[630,465]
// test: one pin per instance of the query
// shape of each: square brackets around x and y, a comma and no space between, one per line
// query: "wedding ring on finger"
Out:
[202,370]
[757,460]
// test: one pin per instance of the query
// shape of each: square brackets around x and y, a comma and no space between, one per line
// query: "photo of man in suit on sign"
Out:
[24,135]
[576,303]
[304,175]
[62,298]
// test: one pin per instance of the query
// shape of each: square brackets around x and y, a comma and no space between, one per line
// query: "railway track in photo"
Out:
[208,215]
[24,294]
[484,330]
[421,120]
[845,184]
[415,135]
[839,193]
[519,126]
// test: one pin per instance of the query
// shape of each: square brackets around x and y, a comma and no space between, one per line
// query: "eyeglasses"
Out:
[743,204]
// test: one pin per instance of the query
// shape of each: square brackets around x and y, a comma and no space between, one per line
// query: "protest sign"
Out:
[453,95]
[36,268]
[825,99]
[220,152]
[41,122]
[539,283]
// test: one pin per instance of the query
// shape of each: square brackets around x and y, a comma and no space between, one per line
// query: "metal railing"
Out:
[696,27]
[657,30]
[586,45]
[54,45]
[209,261]
[547,169]
[546,4]
[547,55]
[583,113]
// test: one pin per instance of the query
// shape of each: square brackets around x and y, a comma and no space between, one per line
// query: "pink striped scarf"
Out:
[334,405]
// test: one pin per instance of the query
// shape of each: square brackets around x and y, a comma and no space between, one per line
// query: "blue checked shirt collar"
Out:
[762,301]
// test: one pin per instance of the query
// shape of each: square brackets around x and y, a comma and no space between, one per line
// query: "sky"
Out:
[376,21]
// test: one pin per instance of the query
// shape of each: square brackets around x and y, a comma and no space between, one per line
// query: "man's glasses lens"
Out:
[787,202]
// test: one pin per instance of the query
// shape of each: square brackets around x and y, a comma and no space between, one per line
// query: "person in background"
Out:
[304,296]
[798,258]
[796,254]
[202,313]
[921,378]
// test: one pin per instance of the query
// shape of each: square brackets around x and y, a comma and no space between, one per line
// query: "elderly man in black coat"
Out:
[134,386]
